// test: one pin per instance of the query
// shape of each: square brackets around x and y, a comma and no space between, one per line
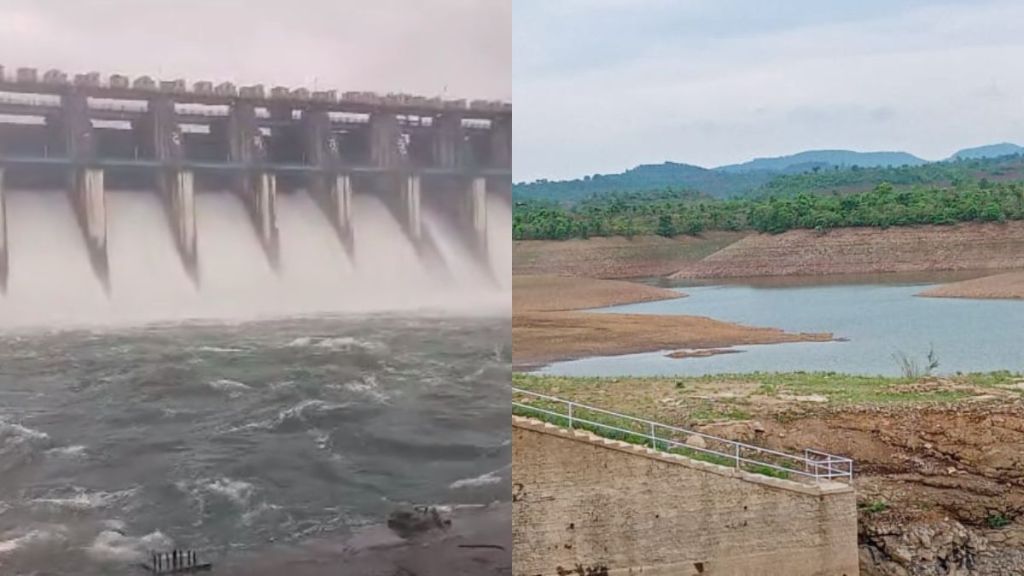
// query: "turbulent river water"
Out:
[258,411]
[230,437]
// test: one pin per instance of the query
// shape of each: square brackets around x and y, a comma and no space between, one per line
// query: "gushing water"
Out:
[499,240]
[51,281]
[454,251]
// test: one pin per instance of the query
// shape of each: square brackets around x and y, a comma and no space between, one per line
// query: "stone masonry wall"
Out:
[595,507]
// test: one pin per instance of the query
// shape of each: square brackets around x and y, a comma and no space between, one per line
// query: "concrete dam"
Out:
[140,168]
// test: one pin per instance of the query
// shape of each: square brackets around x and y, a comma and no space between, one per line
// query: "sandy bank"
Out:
[616,257]
[1009,285]
[560,293]
[867,251]
[546,326]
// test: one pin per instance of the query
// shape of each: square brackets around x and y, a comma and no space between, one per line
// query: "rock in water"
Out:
[473,542]
[408,523]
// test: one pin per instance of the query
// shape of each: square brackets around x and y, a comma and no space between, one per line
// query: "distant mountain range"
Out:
[804,161]
[990,151]
[737,179]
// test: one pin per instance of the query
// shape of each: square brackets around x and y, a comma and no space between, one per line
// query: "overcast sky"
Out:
[460,48]
[604,85]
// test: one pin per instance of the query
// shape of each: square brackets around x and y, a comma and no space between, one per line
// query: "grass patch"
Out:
[992,379]
[690,401]
[874,507]
[838,388]
[997,521]
[768,471]
[847,388]
[632,432]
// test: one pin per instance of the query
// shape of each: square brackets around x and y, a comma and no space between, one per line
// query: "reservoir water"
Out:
[874,322]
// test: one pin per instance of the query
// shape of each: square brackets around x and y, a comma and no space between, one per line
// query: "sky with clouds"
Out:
[460,48]
[603,85]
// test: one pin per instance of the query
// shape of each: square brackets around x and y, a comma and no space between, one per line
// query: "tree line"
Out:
[669,213]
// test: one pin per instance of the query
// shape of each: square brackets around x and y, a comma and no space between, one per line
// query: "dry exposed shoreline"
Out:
[616,257]
[999,286]
[981,254]
[962,247]
[547,325]
[974,246]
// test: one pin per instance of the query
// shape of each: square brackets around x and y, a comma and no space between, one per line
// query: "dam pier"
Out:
[89,134]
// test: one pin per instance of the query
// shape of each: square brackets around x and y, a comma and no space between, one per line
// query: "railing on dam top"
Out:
[813,465]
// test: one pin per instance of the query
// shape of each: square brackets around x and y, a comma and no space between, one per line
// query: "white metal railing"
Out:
[813,465]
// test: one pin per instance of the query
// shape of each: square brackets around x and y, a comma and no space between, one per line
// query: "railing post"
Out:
[737,447]
[654,438]
[570,415]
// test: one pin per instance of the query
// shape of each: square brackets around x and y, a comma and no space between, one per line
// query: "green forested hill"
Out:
[644,178]
[732,182]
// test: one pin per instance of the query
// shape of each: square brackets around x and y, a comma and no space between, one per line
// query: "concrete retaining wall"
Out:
[586,505]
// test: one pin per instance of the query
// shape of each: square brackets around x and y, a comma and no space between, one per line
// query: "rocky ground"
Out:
[939,462]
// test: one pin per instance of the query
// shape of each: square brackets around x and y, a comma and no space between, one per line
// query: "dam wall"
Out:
[583,504]
[89,134]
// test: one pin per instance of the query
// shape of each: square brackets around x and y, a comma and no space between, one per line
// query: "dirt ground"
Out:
[561,293]
[617,257]
[1009,285]
[866,251]
[546,326]
[939,463]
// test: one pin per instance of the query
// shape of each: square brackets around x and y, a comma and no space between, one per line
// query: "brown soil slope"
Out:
[1010,285]
[545,329]
[552,293]
[617,257]
[866,251]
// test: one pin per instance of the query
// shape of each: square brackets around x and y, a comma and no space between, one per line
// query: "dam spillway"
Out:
[91,137]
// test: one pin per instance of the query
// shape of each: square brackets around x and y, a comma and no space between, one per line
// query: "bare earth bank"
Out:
[867,251]
[547,326]
[1009,286]
[616,257]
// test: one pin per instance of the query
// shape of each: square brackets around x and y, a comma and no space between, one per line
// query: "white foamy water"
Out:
[70,451]
[456,254]
[368,387]
[333,343]
[83,500]
[20,443]
[236,491]
[499,240]
[485,479]
[114,546]
[34,538]
[232,388]
[51,280]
